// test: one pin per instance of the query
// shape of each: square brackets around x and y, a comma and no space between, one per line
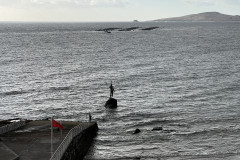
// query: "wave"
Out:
[232,119]
[229,155]
[217,155]
[213,131]
[10,93]
[59,88]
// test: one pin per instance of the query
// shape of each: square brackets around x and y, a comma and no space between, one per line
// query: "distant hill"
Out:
[206,16]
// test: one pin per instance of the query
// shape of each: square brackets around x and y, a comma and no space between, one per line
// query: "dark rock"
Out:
[157,129]
[150,28]
[137,131]
[169,131]
[111,103]
[108,29]
[129,29]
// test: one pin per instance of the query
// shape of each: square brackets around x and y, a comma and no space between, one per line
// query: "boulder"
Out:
[137,131]
[111,103]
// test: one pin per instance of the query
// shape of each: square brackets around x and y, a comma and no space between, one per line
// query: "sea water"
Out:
[182,76]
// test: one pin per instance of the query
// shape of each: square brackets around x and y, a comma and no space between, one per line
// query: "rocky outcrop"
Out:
[137,131]
[127,29]
[149,28]
[108,29]
[111,103]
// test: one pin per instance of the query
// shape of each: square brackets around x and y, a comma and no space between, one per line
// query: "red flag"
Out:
[56,124]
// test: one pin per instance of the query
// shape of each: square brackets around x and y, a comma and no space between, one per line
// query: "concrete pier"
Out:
[33,141]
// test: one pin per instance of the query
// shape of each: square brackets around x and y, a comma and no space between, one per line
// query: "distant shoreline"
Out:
[206,16]
[130,22]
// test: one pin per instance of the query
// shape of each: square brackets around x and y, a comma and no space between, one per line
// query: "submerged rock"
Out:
[149,28]
[169,131]
[129,29]
[111,103]
[157,129]
[108,29]
[137,131]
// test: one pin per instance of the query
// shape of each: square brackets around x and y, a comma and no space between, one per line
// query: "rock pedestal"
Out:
[111,103]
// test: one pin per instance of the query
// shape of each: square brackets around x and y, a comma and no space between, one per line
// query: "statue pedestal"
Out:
[111,103]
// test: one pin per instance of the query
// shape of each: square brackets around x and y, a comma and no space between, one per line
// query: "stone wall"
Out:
[79,146]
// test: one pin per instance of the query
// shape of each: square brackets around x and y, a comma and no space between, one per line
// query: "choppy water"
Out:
[184,77]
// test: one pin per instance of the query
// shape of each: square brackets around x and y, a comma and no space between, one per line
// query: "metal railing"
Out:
[11,126]
[57,155]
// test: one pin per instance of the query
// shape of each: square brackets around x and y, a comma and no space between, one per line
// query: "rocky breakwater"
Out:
[111,103]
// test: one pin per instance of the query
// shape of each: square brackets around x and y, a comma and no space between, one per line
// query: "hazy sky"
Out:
[109,10]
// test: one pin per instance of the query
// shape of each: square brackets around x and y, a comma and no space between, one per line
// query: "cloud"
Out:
[212,2]
[233,2]
[116,3]
[65,3]
[201,2]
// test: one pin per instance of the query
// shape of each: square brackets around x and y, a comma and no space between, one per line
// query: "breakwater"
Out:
[80,144]
[32,140]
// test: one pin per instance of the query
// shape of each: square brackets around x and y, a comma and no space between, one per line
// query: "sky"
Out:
[109,10]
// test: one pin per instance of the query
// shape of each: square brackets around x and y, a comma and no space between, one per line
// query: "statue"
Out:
[111,102]
[111,90]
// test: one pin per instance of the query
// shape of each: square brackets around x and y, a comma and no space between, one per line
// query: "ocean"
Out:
[181,76]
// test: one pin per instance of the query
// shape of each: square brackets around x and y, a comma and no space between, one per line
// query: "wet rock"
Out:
[149,28]
[129,29]
[137,131]
[108,29]
[157,129]
[111,103]
[169,131]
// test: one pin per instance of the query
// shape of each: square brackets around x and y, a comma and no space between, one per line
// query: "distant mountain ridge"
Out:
[206,16]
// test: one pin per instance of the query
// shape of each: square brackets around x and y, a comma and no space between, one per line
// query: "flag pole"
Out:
[51,138]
